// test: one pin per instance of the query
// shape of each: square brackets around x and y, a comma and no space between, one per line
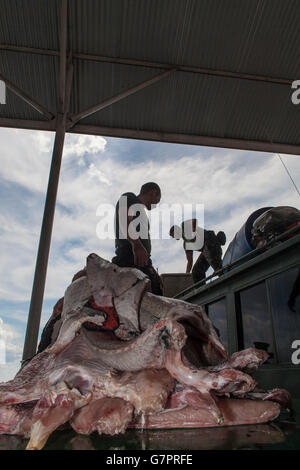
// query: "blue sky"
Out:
[230,183]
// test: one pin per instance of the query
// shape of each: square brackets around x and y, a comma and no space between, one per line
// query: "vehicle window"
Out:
[285,301]
[256,321]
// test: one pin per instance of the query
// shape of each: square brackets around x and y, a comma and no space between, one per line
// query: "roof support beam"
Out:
[28,50]
[188,139]
[34,316]
[184,68]
[143,63]
[33,103]
[28,124]
[104,104]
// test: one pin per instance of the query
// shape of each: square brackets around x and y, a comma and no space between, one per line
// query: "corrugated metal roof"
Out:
[37,76]
[256,37]
[253,36]
[32,23]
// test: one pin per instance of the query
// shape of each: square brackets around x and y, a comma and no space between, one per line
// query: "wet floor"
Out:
[282,434]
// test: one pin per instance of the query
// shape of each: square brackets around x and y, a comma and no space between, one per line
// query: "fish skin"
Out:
[147,390]
[54,408]
[234,411]
[140,368]
[107,281]
[208,382]
[104,415]
[129,302]
[249,359]
[76,296]
[154,307]
[72,323]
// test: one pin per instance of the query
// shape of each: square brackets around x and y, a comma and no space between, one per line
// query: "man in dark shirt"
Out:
[206,241]
[133,243]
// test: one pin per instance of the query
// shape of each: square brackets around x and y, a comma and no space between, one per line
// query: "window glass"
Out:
[217,314]
[257,328]
[285,301]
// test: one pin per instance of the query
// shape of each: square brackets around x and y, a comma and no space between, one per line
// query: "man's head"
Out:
[187,229]
[221,238]
[175,232]
[150,195]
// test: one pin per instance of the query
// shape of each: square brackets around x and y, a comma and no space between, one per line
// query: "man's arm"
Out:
[189,257]
[141,257]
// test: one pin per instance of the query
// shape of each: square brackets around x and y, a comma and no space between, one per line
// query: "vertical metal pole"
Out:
[37,296]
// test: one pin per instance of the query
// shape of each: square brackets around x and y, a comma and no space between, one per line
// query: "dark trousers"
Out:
[211,256]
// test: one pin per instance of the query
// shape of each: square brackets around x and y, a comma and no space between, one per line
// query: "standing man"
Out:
[133,243]
[206,241]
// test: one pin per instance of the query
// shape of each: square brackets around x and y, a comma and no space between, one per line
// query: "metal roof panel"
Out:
[256,37]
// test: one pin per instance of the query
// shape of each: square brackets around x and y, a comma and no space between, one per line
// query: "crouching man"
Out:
[204,241]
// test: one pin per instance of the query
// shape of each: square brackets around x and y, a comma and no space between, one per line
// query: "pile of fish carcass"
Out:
[120,357]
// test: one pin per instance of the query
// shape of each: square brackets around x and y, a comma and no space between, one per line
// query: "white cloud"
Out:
[26,155]
[77,145]
[229,190]
[8,371]
[10,346]
[99,175]
[231,185]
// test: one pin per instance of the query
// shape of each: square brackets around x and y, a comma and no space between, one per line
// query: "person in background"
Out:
[204,241]
[132,232]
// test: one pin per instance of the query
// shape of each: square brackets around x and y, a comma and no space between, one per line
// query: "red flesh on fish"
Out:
[163,366]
